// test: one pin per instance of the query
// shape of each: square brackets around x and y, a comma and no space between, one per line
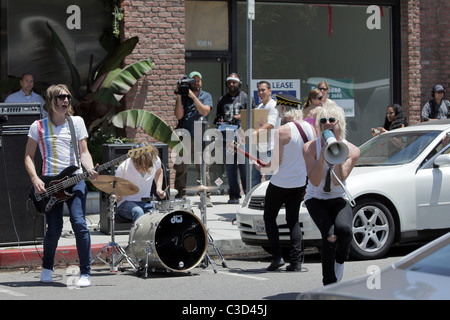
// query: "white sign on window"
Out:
[278,86]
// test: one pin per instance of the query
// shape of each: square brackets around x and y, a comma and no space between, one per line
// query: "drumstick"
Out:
[165,190]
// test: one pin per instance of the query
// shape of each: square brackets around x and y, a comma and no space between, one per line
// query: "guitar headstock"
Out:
[136,153]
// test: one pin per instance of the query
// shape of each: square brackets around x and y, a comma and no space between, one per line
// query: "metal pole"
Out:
[250,17]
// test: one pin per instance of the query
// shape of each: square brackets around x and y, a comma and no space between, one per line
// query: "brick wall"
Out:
[425,51]
[159,24]
[435,45]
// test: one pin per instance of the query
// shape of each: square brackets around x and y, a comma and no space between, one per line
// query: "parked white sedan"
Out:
[401,186]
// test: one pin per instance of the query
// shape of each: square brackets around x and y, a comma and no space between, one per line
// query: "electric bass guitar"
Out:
[233,145]
[56,186]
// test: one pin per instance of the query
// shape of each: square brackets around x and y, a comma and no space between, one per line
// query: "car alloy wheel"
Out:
[373,230]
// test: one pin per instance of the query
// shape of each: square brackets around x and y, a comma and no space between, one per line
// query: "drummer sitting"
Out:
[141,170]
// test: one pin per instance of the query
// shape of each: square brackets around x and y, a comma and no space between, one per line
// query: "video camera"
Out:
[183,85]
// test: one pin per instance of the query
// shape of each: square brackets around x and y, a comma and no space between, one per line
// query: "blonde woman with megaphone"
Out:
[329,160]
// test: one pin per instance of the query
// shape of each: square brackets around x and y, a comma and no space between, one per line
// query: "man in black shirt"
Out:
[228,118]
[436,108]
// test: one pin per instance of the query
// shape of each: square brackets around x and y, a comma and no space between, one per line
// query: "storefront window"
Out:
[206,25]
[80,25]
[349,46]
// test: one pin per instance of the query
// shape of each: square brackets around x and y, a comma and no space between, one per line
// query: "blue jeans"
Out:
[54,219]
[235,165]
[233,173]
[256,175]
[133,210]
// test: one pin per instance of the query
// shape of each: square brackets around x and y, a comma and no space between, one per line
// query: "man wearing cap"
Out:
[228,118]
[436,108]
[288,183]
[188,110]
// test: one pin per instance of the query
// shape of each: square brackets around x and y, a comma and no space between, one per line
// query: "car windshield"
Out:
[395,148]
[438,262]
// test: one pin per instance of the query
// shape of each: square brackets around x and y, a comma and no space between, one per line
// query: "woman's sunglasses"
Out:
[330,120]
[64,96]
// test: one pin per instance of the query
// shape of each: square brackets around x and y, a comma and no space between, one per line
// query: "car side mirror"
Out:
[441,161]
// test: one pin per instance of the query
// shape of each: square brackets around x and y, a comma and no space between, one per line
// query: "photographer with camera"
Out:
[192,104]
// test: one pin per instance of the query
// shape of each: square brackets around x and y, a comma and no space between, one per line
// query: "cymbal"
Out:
[200,188]
[120,186]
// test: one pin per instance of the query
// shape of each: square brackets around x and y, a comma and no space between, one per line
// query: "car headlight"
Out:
[249,196]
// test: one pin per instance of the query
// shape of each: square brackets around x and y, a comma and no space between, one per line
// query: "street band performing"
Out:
[166,234]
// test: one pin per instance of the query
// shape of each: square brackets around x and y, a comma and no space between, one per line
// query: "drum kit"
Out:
[168,238]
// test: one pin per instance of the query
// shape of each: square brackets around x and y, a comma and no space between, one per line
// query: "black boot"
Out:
[294,266]
[276,263]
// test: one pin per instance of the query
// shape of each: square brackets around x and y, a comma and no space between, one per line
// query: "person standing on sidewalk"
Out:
[191,109]
[437,108]
[264,135]
[288,183]
[228,120]
[53,135]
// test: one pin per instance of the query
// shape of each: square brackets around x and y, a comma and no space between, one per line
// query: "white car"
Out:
[401,186]
[422,275]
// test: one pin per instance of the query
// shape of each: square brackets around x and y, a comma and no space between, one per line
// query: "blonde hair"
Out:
[50,99]
[324,83]
[145,159]
[293,113]
[334,111]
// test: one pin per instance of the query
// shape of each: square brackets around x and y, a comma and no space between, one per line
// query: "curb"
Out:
[68,255]
[31,258]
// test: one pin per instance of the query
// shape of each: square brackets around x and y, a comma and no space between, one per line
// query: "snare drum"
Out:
[171,205]
[176,241]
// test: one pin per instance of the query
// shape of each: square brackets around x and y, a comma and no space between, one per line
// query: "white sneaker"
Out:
[84,281]
[338,271]
[46,275]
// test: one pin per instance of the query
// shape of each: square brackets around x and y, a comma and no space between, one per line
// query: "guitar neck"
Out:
[235,147]
[75,179]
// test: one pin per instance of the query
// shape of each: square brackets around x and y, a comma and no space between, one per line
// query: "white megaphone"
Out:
[335,151]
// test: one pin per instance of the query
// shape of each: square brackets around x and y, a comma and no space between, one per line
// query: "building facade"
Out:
[372,53]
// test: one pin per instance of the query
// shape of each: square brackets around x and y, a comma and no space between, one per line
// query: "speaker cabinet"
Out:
[113,151]
[20,223]
[17,114]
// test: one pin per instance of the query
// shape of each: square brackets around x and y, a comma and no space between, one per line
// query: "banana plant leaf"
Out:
[115,58]
[120,81]
[150,123]
[76,80]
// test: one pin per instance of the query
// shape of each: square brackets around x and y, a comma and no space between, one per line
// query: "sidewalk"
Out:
[220,223]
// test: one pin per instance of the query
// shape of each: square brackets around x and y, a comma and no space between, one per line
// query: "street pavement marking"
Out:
[242,275]
[12,293]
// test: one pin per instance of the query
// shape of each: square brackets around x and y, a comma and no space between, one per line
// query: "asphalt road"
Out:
[244,278]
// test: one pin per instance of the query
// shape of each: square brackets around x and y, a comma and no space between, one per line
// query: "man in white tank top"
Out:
[287,184]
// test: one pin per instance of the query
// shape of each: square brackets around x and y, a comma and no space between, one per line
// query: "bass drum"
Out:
[176,241]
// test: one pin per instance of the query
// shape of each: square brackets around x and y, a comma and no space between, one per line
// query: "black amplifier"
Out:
[12,114]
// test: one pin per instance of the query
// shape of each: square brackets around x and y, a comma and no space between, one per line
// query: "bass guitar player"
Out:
[53,135]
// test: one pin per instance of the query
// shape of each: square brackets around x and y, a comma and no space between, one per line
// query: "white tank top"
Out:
[317,192]
[292,170]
